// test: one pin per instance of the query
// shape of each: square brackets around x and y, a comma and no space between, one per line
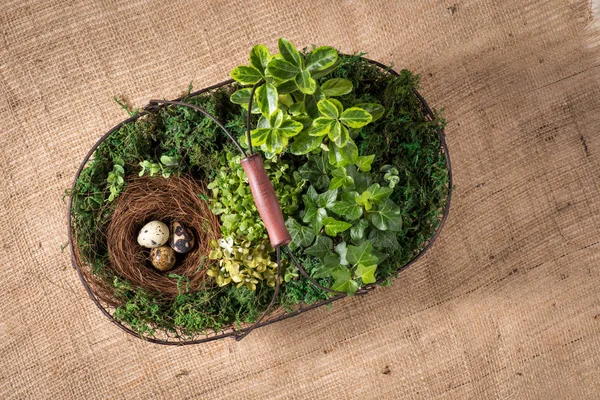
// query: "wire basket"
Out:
[167,338]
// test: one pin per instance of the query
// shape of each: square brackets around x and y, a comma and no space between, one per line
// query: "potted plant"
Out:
[358,181]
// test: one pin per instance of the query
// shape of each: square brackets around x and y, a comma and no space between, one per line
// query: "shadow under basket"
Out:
[99,291]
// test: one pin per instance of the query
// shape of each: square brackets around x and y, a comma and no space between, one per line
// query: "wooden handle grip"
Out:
[266,200]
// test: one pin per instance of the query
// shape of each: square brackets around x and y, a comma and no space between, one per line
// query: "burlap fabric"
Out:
[505,305]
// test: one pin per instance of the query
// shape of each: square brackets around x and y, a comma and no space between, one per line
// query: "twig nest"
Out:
[159,199]
[162,258]
[154,234]
[182,239]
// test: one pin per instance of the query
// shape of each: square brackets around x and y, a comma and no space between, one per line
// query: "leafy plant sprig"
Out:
[390,175]
[295,109]
[115,179]
[244,264]
[351,211]
[166,166]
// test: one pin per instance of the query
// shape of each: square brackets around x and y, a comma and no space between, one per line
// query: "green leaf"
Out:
[260,57]
[297,109]
[355,117]
[275,139]
[310,105]
[328,109]
[259,136]
[275,142]
[284,87]
[305,82]
[366,273]
[321,58]
[320,248]
[275,119]
[362,181]
[301,235]
[314,216]
[338,105]
[336,87]
[343,281]
[331,260]
[347,207]
[286,100]
[267,99]
[336,131]
[380,256]
[327,199]
[379,194]
[342,249]
[393,180]
[305,120]
[169,161]
[315,171]
[340,178]
[328,70]
[383,239]
[364,200]
[312,194]
[387,217]
[342,156]
[154,169]
[282,69]
[325,271]
[364,162]
[246,75]
[376,110]
[362,254]
[304,143]
[242,97]
[120,170]
[333,227]
[289,52]
[357,232]
[290,128]
[322,126]
[342,140]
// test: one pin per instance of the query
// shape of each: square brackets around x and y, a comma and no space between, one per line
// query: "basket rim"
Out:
[428,113]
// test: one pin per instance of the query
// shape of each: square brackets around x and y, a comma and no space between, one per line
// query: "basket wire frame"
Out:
[172,338]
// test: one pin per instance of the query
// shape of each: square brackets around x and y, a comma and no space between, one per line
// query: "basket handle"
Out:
[266,200]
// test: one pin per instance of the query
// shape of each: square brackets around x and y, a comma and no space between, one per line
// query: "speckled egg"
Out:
[153,234]
[163,258]
[182,239]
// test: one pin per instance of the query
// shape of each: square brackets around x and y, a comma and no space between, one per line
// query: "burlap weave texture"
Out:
[505,305]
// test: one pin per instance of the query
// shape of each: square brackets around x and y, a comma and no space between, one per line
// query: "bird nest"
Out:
[166,199]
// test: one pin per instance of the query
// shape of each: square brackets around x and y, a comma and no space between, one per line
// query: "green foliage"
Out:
[350,215]
[166,166]
[244,264]
[233,201]
[115,179]
[298,290]
[293,105]
[301,235]
[397,150]
[391,175]
[274,132]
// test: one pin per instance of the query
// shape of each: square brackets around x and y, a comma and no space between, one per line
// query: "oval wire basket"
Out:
[275,316]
